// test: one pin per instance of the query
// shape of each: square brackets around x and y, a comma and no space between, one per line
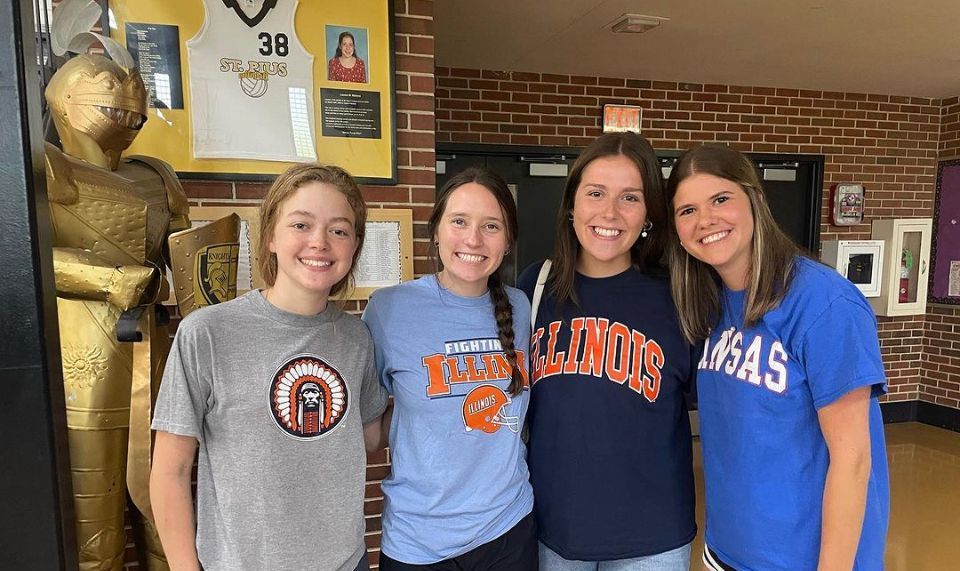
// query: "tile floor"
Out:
[925,499]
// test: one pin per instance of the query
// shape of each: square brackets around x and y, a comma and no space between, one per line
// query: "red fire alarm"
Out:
[846,204]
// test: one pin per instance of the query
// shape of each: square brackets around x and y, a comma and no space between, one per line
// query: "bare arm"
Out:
[172,501]
[377,431]
[845,426]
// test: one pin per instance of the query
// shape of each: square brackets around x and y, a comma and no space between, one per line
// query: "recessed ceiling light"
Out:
[636,24]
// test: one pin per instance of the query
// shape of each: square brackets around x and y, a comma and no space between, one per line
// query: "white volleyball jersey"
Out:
[251,82]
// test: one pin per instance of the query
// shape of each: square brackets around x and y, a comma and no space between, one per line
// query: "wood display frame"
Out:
[403,217]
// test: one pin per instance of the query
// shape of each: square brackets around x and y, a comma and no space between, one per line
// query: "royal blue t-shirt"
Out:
[610,445]
[765,458]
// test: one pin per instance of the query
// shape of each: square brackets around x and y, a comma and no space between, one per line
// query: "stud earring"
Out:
[570,217]
[506,252]
[646,229]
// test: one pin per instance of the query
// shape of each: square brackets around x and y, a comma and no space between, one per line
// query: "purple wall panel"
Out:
[946,230]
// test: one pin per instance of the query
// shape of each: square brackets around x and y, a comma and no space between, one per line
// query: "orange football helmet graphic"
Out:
[483,409]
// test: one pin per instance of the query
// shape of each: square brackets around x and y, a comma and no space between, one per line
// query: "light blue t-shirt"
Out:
[764,455]
[459,475]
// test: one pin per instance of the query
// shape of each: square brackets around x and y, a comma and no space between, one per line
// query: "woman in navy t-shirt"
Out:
[610,445]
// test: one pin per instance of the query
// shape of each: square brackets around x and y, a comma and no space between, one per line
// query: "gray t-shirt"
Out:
[277,402]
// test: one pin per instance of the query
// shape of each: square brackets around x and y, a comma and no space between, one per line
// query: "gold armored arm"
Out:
[81,275]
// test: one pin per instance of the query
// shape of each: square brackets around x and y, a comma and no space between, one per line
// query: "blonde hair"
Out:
[283,188]
[696,286]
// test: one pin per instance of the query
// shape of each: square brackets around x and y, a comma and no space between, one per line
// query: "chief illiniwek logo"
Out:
[308,397]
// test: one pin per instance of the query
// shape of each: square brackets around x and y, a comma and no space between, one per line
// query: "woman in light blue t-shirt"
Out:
[451,348]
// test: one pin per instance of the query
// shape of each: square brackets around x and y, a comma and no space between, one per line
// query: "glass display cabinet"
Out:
[906,263]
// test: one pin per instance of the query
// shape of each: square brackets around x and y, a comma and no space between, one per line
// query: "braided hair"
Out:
[502,308]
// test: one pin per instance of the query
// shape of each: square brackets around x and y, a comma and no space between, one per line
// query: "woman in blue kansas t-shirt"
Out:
[794,458]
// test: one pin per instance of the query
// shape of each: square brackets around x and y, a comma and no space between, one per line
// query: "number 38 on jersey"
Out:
[274,44]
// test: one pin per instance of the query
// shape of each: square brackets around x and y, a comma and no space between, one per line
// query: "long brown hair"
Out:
[696,286]
[502,309]
[646,253]
[283,188]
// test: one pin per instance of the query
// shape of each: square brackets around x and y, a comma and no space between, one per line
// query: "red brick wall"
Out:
[940,369]
[950,128]
[888,143]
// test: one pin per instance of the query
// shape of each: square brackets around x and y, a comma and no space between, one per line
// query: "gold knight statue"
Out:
[111,219]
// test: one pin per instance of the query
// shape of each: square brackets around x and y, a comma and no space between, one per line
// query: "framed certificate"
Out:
[387,256]
[621,118]
[240,89]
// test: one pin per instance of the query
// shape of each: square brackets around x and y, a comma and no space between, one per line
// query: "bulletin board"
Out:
[945,254]
[240,89]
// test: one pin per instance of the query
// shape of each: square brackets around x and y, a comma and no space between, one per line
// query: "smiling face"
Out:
[346,46]
[608,215]
[314,240]
[472,239]
[715,225]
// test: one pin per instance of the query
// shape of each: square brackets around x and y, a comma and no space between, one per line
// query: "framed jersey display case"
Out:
[240,89]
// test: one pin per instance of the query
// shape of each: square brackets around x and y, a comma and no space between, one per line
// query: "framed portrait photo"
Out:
[240,89]
[347,54]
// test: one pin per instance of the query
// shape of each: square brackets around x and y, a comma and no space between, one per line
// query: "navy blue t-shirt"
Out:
[610,447]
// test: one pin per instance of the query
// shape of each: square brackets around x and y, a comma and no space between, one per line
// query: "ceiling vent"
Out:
[636,24]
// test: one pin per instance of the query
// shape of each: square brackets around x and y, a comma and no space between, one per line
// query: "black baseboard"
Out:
[902,411]
[920,411]
[936,415]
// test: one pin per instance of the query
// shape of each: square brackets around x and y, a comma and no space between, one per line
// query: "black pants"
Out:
[515,550]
